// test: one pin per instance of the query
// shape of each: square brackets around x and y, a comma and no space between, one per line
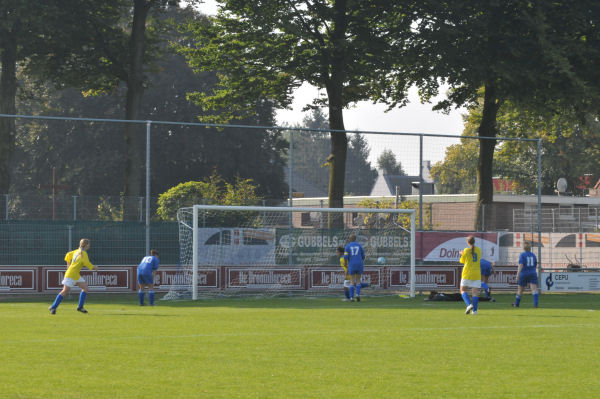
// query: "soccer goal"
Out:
[227,250]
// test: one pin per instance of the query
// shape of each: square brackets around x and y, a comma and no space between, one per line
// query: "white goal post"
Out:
[228,241]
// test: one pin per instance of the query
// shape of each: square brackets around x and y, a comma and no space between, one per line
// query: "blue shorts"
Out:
[355,269]
[527,278]
[145,278]
[486,271]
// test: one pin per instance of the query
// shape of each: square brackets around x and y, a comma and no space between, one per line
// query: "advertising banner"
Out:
[236,246]
[426,277]
[570,281]
[432,246]
[108,278]
[334,278]
[317,246]
[18,279]
[265,278]
[166,278]
[503,277]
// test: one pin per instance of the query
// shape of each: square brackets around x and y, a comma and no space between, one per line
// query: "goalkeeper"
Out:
[344,265]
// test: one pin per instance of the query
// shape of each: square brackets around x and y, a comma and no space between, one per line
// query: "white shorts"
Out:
[470,283]
[69,282]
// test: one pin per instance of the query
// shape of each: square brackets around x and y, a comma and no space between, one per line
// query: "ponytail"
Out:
[471,242]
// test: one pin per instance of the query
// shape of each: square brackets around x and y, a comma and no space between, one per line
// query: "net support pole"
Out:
[195,253]
[539,206]
[148,123]
[412,254]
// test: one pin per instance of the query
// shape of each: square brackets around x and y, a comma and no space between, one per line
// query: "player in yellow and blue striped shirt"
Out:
[76,260]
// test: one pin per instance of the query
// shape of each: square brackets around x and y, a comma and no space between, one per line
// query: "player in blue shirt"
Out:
[527,274]
[355,255]
[486,272]
[145,276]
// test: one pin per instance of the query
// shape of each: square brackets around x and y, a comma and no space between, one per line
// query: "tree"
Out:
[265,49]
[212,191]
[387,162]
[504,48]
[124,36]
[178,153]
[311,149]
[360,176]
[24,32]
[569,149]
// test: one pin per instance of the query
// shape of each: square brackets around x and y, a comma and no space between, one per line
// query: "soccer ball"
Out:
[381,260]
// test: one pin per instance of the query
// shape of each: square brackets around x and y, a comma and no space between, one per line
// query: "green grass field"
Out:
[382,347]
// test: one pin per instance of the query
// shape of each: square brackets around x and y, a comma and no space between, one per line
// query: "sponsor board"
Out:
[425,277]
[448,277]
[236,246]
[432,246]
[317,246]
[17,280]
[167,278]
[334,278]
[570,281]
[105,279]
[503,277]
[265,278]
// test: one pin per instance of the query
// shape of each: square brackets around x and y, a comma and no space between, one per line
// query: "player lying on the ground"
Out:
[453,297]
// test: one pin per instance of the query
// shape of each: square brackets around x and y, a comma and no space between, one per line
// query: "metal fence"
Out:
[112,243]
[565,219]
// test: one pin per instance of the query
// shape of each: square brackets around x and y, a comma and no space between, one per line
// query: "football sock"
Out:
[486,289]
[347,292]
[57,301]
[536,298]
[475,303]
[358,289]
[465,296]
[151,297]
[141,296]
[82,296]
[351,292]
[517,300]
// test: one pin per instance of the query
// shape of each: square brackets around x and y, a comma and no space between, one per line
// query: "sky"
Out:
[413,118]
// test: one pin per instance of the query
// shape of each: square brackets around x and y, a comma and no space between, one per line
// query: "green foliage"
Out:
[266,49]
[178,153]
[378,220]
[212,191]
[569,149]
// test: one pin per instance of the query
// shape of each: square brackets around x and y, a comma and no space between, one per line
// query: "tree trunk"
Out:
[134,137]
[337,158]
[8,92]
[339,142]
[485,164]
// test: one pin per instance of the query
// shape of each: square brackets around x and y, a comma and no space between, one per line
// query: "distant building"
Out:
[386,184]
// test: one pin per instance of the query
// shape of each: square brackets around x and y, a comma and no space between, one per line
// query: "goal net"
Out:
[228,250]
